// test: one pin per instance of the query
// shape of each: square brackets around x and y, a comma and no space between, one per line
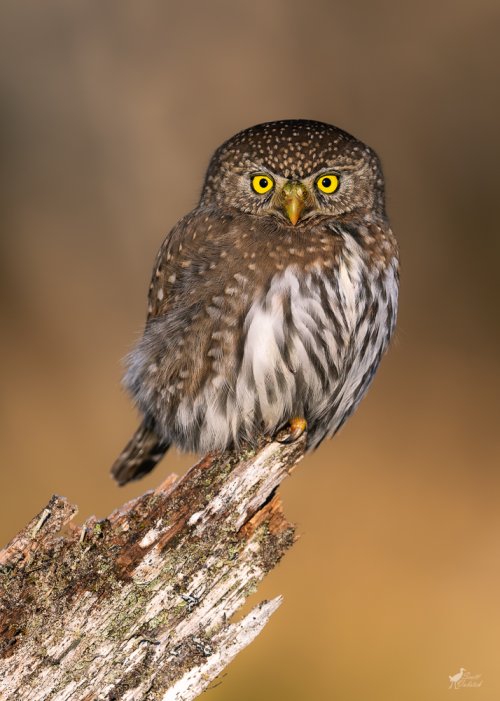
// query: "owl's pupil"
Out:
[326,182]
[263,182]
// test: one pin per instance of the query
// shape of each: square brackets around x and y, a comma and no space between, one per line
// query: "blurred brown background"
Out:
[109,113]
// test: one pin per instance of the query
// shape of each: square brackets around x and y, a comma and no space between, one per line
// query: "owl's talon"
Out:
[292,431]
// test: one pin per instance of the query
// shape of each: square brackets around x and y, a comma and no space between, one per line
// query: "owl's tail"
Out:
[139,456]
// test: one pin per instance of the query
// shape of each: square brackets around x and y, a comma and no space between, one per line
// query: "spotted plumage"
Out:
[265,306]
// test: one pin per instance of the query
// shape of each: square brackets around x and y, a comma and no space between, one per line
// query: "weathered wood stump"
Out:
[139,605]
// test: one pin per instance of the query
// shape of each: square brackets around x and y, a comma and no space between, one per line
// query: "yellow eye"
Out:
[327,183]
[262,184]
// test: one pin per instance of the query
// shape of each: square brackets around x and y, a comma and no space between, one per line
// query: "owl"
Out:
[271,303]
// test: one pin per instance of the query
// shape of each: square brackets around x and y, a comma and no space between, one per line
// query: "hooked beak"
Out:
[294,200]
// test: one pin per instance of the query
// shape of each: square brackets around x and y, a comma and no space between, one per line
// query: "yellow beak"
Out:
[294,200]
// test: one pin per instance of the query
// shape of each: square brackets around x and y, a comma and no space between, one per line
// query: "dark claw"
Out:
[292,431]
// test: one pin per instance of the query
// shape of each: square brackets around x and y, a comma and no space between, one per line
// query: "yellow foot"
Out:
[292,431]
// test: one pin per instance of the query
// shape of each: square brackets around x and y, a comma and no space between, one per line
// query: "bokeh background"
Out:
[109,113]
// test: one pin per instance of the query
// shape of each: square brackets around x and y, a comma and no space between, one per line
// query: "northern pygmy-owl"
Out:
[273,300]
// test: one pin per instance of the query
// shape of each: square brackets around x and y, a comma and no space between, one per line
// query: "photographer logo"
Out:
[463,679]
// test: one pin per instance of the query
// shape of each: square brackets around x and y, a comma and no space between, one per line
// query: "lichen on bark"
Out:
[140,605]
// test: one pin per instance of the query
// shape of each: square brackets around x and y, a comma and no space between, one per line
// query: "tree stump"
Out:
[139,605]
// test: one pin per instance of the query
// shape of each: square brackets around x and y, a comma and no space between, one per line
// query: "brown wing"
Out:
[204,248]
[165,270]
[145,449]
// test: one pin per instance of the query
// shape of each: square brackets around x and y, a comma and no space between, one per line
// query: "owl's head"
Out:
[295,170]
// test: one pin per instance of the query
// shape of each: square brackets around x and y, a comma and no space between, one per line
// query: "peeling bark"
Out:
[139,605]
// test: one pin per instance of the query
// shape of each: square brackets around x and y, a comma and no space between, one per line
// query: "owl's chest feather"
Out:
[314,339]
